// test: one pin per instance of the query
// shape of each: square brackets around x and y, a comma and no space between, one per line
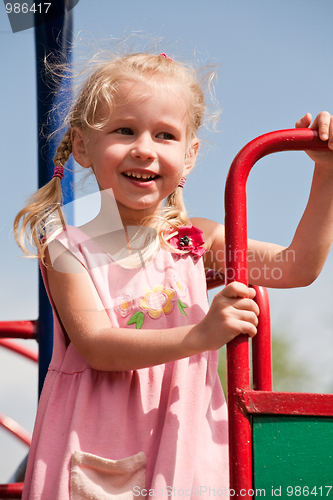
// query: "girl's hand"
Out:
[323,123]
[232,312]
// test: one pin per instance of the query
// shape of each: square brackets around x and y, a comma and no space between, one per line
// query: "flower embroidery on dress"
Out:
[157,301]
[180,287]
[189,239]
[181,291]
[137,319]
[124,305]
[182,307]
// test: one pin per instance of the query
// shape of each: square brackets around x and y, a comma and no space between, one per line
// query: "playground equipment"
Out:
[14,330]
[281,444]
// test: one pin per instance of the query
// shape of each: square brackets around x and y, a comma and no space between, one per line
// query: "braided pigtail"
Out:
[64,150]
[42,214]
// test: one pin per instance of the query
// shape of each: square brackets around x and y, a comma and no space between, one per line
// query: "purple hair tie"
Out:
[166,57]
[58,172]
[182,182]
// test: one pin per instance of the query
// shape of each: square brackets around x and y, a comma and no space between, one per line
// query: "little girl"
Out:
[132,405]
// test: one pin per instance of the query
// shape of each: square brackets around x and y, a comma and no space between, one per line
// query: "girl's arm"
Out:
[298,265]
[109,349]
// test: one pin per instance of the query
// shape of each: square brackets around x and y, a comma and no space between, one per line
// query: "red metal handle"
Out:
[238,368]
[13,490]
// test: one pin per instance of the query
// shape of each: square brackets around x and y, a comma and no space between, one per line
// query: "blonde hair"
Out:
[102,89]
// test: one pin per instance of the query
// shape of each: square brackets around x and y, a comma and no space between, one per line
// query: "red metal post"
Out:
[262,379]
[238,369]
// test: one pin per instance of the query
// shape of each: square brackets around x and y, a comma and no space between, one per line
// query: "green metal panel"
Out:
[293,456]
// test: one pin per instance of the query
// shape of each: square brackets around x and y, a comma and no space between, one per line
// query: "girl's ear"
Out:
[191,156]
[79,148]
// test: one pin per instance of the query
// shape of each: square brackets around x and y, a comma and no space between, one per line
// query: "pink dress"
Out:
[158,431]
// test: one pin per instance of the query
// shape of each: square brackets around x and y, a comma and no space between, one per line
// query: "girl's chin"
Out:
[141,208]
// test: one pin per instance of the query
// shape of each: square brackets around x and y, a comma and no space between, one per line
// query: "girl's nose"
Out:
[144,149]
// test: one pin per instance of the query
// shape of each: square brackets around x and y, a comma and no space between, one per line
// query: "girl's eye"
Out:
[124,131]
[166,136]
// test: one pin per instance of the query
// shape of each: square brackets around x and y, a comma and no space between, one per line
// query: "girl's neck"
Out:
[113,211]
[122,234]
[113,217]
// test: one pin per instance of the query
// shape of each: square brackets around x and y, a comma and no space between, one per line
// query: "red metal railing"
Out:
[11,490]
[16,330]
[15,428]
[19,349]
[238,369]
[262,376]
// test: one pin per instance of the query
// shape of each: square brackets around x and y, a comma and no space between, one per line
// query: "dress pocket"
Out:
[96,478]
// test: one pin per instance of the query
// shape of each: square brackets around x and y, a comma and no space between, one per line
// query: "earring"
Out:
[182,182]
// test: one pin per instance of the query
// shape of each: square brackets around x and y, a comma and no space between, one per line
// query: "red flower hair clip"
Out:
[189,239]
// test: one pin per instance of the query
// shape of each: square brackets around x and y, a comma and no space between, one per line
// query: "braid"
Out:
[63,150]
[43,209]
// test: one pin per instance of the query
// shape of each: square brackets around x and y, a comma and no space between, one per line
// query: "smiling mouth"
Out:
[140,177]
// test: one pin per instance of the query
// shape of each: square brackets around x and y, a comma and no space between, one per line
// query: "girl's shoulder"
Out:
[213,232]
[62,253]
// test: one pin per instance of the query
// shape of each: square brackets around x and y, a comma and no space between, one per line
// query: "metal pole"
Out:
[53,40]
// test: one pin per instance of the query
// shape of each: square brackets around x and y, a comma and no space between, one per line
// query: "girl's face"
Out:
[142,152]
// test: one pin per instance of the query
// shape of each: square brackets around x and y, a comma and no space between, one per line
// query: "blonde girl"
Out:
[132,405]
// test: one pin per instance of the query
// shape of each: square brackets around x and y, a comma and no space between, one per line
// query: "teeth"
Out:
[136,175]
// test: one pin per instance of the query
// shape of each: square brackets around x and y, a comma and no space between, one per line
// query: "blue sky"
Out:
[274,62]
